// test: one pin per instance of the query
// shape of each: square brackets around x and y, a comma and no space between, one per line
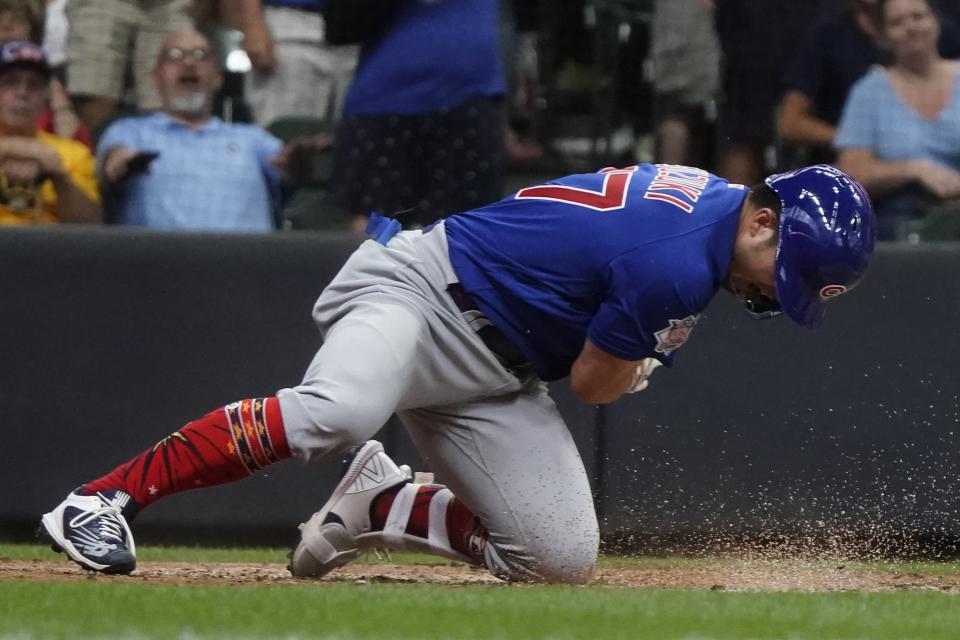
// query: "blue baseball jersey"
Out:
[627,257]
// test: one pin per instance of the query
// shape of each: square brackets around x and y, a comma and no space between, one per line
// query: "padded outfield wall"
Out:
[112,338]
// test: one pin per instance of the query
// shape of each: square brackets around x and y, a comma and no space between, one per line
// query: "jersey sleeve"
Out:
[645,314]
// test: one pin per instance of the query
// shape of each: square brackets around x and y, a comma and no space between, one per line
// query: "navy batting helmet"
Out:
[827,233]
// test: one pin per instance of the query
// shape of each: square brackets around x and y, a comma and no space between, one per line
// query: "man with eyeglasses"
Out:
[184,168]
[44,178]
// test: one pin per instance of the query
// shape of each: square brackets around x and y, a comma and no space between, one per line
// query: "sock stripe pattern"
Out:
[248,428]
[263,430]
[240,438]
[225,445]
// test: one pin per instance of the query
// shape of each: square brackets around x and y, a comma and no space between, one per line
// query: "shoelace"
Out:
[110,525]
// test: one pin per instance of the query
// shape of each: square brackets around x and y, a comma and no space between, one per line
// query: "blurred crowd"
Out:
[257,115]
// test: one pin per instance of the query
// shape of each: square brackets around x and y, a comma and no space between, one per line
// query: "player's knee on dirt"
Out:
[572,562]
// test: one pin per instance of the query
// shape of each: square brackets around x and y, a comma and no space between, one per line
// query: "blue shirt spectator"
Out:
[183,168]
[216,177]
[900,130]
[837,50]
[423,122]
[435,55]
[875,118]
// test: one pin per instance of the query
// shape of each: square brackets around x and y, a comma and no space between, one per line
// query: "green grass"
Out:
[95,608]
[341,611]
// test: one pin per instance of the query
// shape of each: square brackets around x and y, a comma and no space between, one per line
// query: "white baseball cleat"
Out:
[329,538]
[93,531]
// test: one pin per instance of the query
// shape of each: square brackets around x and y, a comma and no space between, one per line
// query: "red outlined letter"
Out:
[611,197]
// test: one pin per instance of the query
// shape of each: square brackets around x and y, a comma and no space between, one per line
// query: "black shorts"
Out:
[420,167]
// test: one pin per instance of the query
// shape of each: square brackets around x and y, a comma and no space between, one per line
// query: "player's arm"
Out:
[599,378]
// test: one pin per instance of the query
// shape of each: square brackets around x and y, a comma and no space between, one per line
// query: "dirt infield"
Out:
[727,575]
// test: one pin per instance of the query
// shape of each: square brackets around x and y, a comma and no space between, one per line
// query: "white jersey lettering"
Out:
[678,185]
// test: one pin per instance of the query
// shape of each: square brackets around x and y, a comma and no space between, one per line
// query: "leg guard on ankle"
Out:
[395,536]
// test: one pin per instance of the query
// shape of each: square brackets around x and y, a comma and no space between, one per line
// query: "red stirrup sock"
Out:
[465,532]
[228,444]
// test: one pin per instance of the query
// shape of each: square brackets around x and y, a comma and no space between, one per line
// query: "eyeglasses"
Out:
[176,55]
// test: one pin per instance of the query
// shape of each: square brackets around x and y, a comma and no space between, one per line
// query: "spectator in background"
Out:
[43,178]
[21,20]
[836,52]
[900,130]
[422,131]
[295,72]
[520,52]
[24,20]
[757,39]
[182,167]
[101,36]
[55,29]
[686,78]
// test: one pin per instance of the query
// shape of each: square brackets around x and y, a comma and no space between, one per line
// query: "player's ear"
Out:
[764,223]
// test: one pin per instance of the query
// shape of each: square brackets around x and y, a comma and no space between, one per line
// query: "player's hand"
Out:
[940,180]
[641,378]
[258,43]
[116,164]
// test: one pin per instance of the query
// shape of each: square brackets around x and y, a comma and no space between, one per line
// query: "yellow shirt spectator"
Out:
[43,178]
[38,203]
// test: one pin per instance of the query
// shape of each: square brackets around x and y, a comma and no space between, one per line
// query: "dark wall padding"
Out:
[113,338]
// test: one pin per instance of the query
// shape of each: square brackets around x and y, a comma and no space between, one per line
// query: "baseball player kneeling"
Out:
[457,328]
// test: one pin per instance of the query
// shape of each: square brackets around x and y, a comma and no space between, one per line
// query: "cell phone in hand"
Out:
[140,163]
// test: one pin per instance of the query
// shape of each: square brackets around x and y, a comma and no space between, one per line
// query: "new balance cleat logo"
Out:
[96,549]
[370,476]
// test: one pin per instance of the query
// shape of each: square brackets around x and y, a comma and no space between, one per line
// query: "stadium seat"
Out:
[941,223]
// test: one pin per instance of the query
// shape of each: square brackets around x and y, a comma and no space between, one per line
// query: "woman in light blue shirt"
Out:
[900,130]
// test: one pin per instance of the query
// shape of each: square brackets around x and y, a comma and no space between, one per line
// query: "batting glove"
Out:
[641,379]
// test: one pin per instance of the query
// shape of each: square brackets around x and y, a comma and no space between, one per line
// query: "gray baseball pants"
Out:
[395,341]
